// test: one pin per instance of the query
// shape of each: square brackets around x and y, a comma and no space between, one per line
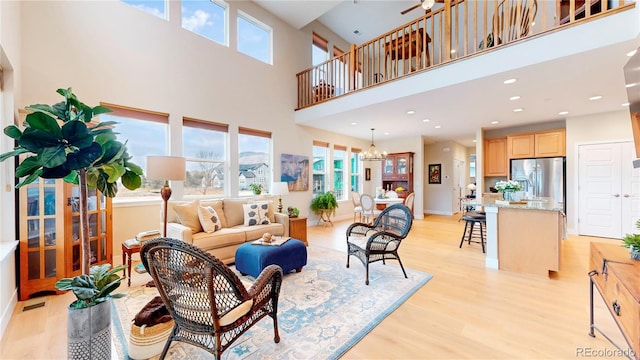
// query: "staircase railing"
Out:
[459,29]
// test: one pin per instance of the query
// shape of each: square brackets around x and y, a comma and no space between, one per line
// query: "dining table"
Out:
[384,202]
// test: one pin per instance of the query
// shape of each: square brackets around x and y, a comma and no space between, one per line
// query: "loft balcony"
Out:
[460,30]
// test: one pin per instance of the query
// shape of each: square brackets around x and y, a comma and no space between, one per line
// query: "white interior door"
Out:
[630,190]
[608,190]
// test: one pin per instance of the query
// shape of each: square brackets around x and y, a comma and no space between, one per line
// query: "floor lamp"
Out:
[279,189]
[166,168]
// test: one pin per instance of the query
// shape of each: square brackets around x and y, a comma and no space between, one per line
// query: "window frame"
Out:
[266,179]
[341,192]
[354,161]
[322,185]
[225,36]
[259,24]
[203,125]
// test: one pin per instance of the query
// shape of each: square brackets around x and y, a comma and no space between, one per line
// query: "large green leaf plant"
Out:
[62,142]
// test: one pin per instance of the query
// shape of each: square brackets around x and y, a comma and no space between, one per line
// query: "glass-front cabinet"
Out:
[49,231]
[397,173]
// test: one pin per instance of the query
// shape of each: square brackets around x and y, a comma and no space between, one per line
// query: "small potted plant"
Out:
[632,241]
[89,316]
[293,212]
[256,188]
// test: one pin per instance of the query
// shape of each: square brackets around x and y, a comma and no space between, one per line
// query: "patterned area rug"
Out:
[322,312]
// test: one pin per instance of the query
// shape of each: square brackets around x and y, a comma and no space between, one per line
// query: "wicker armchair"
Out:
[210,306]
[380,241]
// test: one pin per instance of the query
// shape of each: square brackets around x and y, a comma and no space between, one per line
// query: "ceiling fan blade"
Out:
[410,9]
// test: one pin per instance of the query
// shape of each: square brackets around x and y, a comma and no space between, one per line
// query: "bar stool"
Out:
[473,232]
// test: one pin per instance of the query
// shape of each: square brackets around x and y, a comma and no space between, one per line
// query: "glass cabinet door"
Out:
[99,208]
[401,165]
[388,166]
[41,227]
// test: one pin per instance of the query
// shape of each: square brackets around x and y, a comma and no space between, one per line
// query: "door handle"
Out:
[627,195]
[616,195]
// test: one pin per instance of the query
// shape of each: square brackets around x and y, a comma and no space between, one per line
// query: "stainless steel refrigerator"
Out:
[541,177]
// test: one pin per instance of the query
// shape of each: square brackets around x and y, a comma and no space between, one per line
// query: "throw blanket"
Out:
[154,312]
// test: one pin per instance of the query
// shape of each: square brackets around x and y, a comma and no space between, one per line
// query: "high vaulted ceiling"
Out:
[561,83]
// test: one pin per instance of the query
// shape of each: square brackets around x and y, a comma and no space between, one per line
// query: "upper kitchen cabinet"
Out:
[542,144]
[550,143]
[495,157]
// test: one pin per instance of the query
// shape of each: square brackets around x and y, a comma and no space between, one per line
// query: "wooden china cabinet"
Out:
[49,232]
[397,171]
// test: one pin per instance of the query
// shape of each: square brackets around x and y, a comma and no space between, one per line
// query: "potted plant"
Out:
[324,205]
[62,142]
[89,316]
[632,241]
[256,188]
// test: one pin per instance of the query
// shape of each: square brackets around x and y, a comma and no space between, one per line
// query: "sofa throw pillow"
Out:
[217,206]
[188,216]
[209,219]
[271,209]
[255,214]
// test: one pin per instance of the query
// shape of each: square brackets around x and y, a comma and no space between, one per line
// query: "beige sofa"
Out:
[222,243]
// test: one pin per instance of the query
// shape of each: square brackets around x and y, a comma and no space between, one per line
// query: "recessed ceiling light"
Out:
[630,85]
[597,97]
[356,31]
[563,113]
[495,122]
[514,97]
[631,53]
[437,126]
[625,104]
[509,81]
[411,112]
[426,120]
[518,110]
[474,140]
[354,123]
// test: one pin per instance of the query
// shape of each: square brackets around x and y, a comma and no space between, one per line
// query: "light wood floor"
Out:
[465,312]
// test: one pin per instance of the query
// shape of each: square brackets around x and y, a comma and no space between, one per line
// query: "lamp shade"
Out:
[471,187]
[279,188]
[166,168]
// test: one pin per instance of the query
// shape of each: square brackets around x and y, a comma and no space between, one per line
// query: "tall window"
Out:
[154,7]
[145,133]
[206,18]
[319,54]
[254,38]
[356,170]
[204,146]
[254,159]
[320,158]
[339,171]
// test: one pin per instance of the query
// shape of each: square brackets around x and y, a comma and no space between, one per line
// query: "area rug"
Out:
[322,311]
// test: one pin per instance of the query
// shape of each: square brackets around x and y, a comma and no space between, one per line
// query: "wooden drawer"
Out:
[619,284]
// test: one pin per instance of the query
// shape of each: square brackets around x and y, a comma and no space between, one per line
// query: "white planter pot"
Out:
[89,332]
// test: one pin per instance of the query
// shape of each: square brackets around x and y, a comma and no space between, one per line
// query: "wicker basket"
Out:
[148,341]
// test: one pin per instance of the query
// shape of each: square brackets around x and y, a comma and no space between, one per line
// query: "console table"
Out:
[617,278]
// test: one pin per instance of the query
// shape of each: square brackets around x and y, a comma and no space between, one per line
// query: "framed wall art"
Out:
[294,170]
[435,173]
[367,174]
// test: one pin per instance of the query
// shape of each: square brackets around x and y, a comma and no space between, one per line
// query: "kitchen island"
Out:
[524,238]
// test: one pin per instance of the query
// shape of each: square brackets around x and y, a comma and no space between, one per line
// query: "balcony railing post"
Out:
[352,67]
[447,30]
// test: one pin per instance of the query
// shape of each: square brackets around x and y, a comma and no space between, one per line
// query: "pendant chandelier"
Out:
[373,154]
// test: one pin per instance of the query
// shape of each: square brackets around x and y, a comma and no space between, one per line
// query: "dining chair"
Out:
[408,201]
[369,211]
[357,206]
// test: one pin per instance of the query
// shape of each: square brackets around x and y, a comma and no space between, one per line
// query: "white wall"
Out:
[596,128]
[10,62]
[440,198]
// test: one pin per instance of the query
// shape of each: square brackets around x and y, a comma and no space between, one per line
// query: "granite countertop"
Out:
[530,205]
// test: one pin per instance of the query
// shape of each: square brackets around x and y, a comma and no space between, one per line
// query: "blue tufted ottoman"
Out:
[252,259]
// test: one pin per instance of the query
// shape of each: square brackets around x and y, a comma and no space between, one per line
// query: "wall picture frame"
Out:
[294,170]
[435,173]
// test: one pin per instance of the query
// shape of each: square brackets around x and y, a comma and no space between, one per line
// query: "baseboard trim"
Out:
[439,212]
[7,312]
